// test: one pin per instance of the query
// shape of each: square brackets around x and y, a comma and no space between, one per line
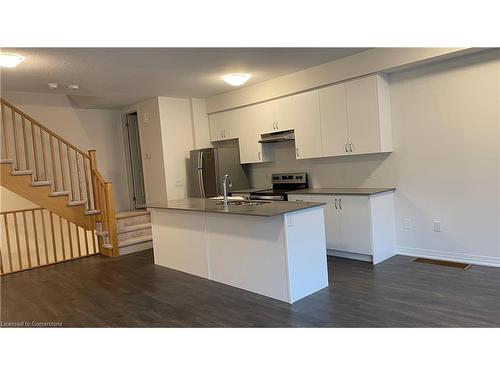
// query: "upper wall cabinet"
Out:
[334,131]
[250,127]
[223,125]
[347,118]
[355,117]
[307,125]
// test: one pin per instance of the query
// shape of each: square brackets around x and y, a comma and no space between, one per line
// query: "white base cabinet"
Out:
[358,224]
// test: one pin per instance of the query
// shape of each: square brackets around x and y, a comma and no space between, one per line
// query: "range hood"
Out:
[283,136]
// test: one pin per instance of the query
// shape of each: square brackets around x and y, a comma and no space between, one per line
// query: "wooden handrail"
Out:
[97,193]
[27,117]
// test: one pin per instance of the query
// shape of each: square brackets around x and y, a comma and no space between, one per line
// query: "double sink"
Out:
[242,203]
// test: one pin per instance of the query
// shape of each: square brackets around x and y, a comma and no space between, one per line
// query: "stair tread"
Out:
[92,212]
[21,172]
[132,228]
[41,183]
[76,203]
[133,241]
[127,214]
[59,193]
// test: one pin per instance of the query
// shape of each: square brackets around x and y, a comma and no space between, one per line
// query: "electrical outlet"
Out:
[146,117]
[179,183]
[437,226]
[407,224]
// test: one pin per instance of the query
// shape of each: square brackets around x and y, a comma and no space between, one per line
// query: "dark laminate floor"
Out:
[131,291]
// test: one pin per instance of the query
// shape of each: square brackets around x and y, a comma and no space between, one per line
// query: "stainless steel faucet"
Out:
[225,183]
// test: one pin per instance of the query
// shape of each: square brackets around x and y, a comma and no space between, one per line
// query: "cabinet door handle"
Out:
[350,146]
[299,200]
[297,152]
[340,203]
[221,133]
[345,147]
[335,203]
[277,127]
[259,155]
[224,133]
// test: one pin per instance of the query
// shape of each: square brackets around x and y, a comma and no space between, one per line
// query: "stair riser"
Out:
[131,221]
[134,234]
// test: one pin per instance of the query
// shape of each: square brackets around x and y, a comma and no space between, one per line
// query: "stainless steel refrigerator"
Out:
[207,167]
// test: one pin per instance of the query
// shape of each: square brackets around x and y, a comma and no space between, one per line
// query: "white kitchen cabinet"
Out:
[334,129]
[307,125]
[223,125]
[264,119]
[284,113]
[354,214]
[355,117]
[332,220]
[250,127]
[368,115]
[357,226]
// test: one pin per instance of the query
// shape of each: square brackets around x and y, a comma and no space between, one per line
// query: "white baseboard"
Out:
[124,250]
[349,255]
[480,260]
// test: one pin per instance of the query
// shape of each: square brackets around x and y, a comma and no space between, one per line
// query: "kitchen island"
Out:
[276,249]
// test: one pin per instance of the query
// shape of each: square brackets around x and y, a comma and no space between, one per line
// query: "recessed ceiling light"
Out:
[53,85]
[236,79]
[9,60]
[73,87]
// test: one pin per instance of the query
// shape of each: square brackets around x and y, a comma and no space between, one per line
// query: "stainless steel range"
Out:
[283,183]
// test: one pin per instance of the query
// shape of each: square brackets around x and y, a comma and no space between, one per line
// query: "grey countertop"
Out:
[343,191]
[266,209]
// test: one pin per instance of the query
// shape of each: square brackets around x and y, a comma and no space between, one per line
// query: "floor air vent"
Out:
[442,263]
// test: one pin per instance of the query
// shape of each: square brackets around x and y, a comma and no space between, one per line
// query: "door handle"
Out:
[340,203]
[277,127]
[297,152]
[350,146]
[345,147]
[335,203]
[259,155]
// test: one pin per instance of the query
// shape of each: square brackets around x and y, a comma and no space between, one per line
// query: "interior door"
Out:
[356,226]
[334,133]
[136,171]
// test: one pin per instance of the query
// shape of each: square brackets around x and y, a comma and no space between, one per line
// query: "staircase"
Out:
[134,231]
[40,166]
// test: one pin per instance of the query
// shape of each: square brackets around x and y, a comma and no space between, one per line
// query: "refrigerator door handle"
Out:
[200,175]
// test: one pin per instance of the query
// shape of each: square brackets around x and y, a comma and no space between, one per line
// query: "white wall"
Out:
[367,62]
[177,137]
[85,128]
[201,128]
[445,164]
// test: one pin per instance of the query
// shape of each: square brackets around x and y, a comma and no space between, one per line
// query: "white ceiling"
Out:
[116,77]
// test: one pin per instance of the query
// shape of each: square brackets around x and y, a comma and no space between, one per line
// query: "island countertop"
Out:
[343,191]
[265,209]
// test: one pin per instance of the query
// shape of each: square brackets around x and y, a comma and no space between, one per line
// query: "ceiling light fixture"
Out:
[9,60]
[53,85]
[73,87]
[236,79]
